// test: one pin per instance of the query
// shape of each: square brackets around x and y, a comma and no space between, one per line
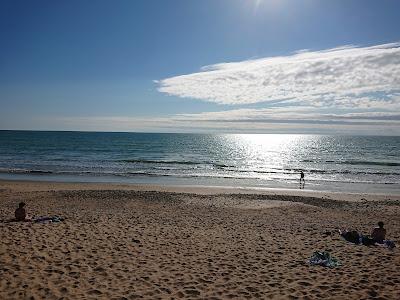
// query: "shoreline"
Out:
[329,186]
[35,185]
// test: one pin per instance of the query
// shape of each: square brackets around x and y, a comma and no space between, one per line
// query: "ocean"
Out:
[331,163]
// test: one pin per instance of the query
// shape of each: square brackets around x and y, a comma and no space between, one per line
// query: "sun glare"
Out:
[257,3]
[271,5]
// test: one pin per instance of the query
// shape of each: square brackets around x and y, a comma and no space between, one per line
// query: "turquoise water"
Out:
[335,163]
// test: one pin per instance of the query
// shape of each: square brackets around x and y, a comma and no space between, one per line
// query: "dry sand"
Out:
[123,242]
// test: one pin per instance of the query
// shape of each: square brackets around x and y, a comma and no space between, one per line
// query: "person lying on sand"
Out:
[378,234]
[350,236]
[20,213]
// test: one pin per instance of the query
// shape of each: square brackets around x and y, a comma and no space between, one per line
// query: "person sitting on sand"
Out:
[20,213]
[378,234]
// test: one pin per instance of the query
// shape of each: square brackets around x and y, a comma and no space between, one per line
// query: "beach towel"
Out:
[52,219]
[323,259]
[388,244]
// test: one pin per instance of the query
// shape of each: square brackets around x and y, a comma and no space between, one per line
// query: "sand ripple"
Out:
[154,245]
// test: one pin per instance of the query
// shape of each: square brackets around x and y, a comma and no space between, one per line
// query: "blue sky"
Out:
[117,65]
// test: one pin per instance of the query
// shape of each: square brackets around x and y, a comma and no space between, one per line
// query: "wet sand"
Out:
[154,242]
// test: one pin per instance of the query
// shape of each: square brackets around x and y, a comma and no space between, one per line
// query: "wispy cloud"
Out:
[346,77]
[276,120]
[303,115]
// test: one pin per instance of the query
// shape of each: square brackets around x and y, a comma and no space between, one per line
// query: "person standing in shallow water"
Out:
[302,180]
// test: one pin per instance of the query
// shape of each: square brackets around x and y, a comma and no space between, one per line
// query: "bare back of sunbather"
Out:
[378,234]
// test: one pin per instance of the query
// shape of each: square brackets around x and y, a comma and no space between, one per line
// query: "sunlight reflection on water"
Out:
[260,152]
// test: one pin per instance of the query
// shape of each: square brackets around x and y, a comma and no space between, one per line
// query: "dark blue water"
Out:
[337,163]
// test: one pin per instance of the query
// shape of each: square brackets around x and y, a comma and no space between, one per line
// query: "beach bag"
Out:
[323,259]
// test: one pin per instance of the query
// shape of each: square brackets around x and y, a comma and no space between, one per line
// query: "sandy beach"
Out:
[155,242]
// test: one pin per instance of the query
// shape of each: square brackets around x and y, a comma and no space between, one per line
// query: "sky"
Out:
[220,66]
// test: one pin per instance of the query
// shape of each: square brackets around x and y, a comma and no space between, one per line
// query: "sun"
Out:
[257,3]
[270,4]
